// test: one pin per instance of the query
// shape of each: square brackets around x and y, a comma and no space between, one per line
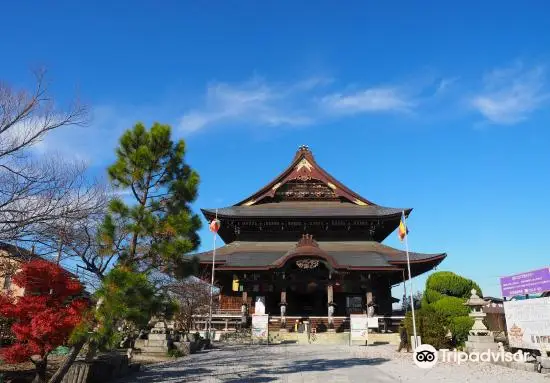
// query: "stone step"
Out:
[154,349]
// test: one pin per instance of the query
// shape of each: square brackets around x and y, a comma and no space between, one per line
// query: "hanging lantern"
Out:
[215,225]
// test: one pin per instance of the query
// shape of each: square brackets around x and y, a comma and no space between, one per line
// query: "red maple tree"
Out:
[45,316]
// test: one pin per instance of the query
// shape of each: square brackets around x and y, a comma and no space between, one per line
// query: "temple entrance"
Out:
[307,289]
[307,299]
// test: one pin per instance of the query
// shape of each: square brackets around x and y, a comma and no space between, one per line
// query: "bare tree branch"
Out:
[33,192]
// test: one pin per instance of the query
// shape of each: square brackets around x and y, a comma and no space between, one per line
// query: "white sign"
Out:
[260,327]
[528,323]
[259,307]
[358,327]
[372,322]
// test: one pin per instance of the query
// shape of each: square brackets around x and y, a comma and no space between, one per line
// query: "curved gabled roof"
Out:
[305,167]
[352,255]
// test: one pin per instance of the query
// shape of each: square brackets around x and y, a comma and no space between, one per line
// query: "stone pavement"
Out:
[320,363]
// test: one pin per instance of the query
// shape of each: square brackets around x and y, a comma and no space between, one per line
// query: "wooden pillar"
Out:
[368,295]
[245,297]
[330,294]
[283,296]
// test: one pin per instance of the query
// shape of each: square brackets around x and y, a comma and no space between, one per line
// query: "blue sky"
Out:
[443,108]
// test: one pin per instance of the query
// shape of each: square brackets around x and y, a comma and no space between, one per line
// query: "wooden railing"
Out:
[231,321]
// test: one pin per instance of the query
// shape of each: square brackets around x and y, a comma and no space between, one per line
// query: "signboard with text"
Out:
[359,328]
[531,282]
[260,324]
[528,323]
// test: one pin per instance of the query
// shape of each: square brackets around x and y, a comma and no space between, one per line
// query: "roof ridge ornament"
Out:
[307,240]
[303,150]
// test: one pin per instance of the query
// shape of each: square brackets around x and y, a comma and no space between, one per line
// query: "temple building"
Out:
[307,245]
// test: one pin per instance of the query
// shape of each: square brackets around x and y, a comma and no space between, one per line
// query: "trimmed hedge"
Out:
[449,283]
[430,325]
[460,326]
[431,296]
[451,307]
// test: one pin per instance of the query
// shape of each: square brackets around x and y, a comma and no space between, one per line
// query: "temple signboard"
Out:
[531,282]
[528,323]
[260,325]
[358,328]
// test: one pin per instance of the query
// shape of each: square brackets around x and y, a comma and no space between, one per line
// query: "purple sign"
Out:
[531,282]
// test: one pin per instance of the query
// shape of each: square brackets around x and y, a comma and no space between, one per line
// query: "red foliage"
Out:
[46,317]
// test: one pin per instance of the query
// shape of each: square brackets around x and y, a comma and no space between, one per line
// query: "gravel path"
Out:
[316,363]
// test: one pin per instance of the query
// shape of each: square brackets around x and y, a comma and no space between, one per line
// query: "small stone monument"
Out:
[159,340]
[479,338]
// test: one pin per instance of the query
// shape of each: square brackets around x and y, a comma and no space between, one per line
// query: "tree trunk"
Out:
[40,367]
[67,363]
[91,352]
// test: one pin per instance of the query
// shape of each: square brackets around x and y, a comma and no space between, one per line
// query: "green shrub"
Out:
[460,326]
[430,325]
[431,296]
[175,353]
[451,307]
[449,283]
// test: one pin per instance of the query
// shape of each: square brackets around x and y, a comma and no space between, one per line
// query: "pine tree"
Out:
[158,228]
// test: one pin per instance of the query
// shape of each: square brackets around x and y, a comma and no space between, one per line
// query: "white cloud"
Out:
[368,100]
[259,103]
[96,142]
[509,95]
[254,102]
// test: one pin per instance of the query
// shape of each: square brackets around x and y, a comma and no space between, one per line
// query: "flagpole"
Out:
[410,279]
[212,283]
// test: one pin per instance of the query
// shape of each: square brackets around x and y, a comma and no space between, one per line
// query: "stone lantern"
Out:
[282,307]
[479,338]
[476,306]
[331,310]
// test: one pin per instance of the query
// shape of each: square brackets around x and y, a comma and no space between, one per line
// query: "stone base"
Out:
[544,361]
[480,343]
[153,346]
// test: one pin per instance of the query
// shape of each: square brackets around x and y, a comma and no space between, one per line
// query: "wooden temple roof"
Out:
[352,255]
[304,209]
[305,189]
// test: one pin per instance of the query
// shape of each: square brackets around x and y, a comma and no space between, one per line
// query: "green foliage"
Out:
[431,296]
[175,353]
[451,307]
[460,326]
[449,283]
[158,228]
[430,325]
[444,299]
[124,296]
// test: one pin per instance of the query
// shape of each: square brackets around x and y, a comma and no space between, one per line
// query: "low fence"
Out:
[228,322]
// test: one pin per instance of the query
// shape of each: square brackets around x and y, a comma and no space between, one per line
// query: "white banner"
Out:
[528,323]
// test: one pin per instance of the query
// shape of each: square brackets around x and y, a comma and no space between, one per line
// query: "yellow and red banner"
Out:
[403,229]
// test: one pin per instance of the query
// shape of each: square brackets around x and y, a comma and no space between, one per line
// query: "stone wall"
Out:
[105,368]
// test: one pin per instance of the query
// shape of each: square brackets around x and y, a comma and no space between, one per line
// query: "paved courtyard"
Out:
[316,363]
